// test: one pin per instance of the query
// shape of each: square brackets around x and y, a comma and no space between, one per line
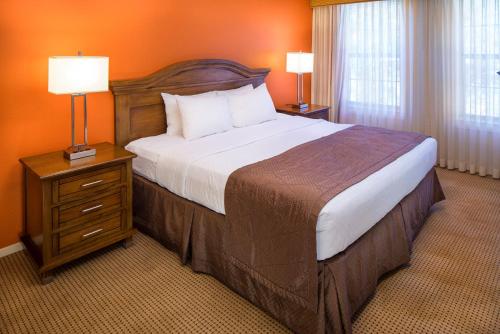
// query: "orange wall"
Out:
[139,36]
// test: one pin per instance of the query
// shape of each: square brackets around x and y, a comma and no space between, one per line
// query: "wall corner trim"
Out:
[14,248]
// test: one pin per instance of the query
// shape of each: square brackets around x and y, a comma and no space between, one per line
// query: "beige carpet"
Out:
[452,285]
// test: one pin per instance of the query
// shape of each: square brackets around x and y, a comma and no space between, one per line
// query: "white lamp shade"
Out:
[78,74]
[299,62]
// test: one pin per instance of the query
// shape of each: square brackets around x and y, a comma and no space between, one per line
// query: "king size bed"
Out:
[299,216]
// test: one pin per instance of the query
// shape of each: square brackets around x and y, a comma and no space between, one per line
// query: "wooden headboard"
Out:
[139,108]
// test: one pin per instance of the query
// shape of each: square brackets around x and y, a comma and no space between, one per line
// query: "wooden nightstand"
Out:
[314,111]
[72,208]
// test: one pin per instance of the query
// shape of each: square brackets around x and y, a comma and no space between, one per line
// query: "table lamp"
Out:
[78,75]
[300,63]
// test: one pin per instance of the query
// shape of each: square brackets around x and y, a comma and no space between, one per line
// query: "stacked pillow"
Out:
[196,116]
[203,116]
[174,125]
[236,91]
[252,108]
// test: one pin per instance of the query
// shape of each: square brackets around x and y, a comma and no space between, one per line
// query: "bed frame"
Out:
[139,108]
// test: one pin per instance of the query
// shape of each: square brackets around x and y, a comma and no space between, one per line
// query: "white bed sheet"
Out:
[198,170]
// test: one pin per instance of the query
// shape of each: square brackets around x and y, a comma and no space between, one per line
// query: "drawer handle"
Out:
[92,208]
[91,233]
[90,184]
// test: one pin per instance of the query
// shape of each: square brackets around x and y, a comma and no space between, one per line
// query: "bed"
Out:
[180,199]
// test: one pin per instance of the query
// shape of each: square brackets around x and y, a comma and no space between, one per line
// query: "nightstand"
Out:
[72,208]
[314,111]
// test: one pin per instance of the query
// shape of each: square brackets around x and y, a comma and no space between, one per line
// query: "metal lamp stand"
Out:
[300,93]
[77,151]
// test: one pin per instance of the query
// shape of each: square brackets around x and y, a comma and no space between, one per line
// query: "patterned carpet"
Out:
[452,285]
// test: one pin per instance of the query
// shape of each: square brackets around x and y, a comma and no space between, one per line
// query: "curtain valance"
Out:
[317,3]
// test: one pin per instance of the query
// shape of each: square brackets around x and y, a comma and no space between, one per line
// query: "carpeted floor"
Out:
[452,285]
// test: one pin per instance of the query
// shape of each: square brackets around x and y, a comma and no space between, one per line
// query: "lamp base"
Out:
[78,152]
[300,106]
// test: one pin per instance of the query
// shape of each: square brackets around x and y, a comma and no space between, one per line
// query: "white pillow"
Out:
[236,91]
[252,108]
[174,126]
[203,116]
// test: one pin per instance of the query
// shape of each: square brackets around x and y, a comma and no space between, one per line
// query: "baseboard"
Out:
[11,249]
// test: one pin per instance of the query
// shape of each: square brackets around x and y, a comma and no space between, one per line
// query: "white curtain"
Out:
[424,65]
[371,91]
[470,58]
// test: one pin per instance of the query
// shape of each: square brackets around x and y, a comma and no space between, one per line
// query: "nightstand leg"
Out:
[126,243]
[46,277]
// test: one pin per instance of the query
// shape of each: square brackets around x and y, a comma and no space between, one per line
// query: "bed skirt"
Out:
[346,280]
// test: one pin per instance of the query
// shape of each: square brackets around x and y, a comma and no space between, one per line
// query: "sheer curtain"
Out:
[423,65]
[371,92]
[471,119]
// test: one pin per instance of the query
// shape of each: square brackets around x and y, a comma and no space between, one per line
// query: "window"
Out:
[427,66]
[372,51]
[481,30]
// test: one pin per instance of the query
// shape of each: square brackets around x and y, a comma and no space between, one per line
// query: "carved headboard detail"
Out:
[139,108]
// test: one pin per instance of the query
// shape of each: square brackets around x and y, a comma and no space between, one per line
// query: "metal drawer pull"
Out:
[91,233]
[91,183]
[92,208]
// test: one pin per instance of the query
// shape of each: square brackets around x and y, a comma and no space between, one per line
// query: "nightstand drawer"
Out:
[80,237]
[90,209]
[320,115]
[81,184]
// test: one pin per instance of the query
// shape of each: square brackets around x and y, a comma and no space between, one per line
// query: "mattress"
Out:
[198,170]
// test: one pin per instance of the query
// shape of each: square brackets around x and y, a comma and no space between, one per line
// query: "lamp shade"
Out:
[299,62]
[78,74]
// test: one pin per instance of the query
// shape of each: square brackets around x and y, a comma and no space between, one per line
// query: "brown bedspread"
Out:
[272,206]
[345,281]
